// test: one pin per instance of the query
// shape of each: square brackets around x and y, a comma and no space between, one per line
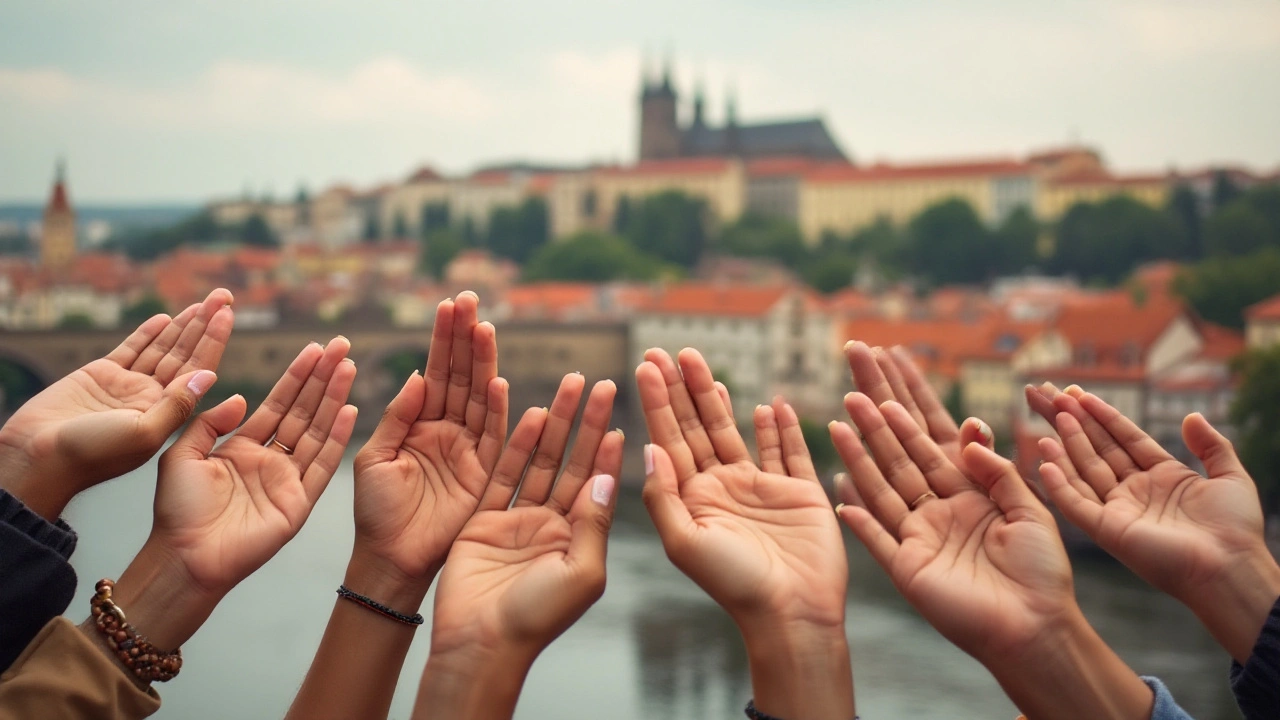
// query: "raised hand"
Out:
[220,513]
[521,573]
[987,569]
[1197,538]
[760,540]
[892,375]
[112,415]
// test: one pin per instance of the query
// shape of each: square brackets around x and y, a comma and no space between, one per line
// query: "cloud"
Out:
[233,95]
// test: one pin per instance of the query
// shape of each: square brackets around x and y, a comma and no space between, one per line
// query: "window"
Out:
[797,365]
[1129,354]
[1086,355]
[589,203]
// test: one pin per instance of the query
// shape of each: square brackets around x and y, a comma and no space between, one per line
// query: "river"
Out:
[654,646]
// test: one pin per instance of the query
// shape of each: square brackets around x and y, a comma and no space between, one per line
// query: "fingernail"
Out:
[348,360]
[648,459]
[831,425]
[1074,390]
[985,431]
[848,347]
[200,383]
[620,433]
[602,489]
[839,507]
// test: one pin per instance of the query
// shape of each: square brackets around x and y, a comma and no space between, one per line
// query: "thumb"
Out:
[175,405]
[1003,484]
[662,498]
[974,430]
[1213,449]
[197,441]
[591,517]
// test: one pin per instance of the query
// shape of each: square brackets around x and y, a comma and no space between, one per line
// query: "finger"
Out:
[868,378]
[213,344]
[326,463]
[1093,469]
[974,430]
[544,466]
[1105,445]
[720,426]
[609,456]
[882,546]
[684,408]
[901,393]
[795,452]
[844,491]
[334,399]
[591,431]
[940,425]
[173,408]
[589,522]
[768,441]
[1040,400]
[661,497]
[128,351]
[397,419]
[484,368]
[465,311]
[186,343]
[495,424]
[889,455]
[1053,452]
[1139,446]
[1077,509]
[302,412]
[1214,450]
[941,476]
[511,465]
[263,422]
[724,396]
[439,355]
[661,422]
[1004,485]
[152,354]
[197,441]
[877,494]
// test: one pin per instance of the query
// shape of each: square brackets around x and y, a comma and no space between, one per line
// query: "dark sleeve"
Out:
[36,581]
[1256,684]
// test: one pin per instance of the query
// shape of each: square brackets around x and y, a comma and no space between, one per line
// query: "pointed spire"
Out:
[61,175]
[731,106]
[699,102]
[667,64]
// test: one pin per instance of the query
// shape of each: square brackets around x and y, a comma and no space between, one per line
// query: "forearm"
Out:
[799,670]
[1070,673]
[1235,608]
[355,670]
[472,683]
[47,499]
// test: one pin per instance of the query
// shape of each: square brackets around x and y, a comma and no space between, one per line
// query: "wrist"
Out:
[473,682]
[1067,671]
[377,578]
[47,499]
[1235,606]
[799,669]
[161,600]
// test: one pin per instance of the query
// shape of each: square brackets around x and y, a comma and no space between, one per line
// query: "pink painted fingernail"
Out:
[602,489]
[984,430]
[648,459]
[200,383]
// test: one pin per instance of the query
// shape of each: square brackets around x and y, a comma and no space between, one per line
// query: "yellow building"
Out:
[844,198]
[58,231]
[589,200]
[405,203]
[1056,195]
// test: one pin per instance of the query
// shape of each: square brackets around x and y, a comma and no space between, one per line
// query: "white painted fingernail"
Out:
[648,459]
[984,430]
[602,489]
[200,383]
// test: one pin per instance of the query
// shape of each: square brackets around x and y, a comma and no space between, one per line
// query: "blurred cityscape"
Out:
[766,245]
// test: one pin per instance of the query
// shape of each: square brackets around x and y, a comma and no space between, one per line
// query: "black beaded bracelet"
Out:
[374,605]
[755,714]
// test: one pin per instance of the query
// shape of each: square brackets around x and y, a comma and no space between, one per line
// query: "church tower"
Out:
[659,131]
[58,231]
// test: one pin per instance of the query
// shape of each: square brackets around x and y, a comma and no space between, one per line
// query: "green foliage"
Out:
[16,244]
[622,215]
[439,247]
[1184,207]
[1238,229]
[949,244]
[1256,413]
[199,229]
[435,216]
[823,452]
[402,363]
[76,321]
[764,237]
[1014,242]
[670,226]
[255,231]
[592,257]
[829,272]
[17,384]
[518,232]
[1220,288]
[1224,190]
[147,306]
[1105,241]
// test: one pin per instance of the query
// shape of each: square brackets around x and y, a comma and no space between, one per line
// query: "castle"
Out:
[661,136]
[58,231]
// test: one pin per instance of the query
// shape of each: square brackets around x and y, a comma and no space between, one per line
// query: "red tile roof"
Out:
[1094,177]
[884,172]
[677,166]
[1220,343]
[1268,309]
[424,174]
[1111,322]
[694,298]
[783,166]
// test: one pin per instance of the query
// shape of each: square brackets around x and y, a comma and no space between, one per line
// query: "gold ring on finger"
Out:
[287,450]
[922,498]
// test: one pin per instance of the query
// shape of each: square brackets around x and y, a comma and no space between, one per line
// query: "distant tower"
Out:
[732,140]
[659,131]
[58,232]
[699,116]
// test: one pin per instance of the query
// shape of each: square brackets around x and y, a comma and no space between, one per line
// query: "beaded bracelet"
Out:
[147,662]
[755,714]
[346,593]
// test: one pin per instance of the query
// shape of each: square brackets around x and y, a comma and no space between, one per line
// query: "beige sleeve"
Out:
[62,676]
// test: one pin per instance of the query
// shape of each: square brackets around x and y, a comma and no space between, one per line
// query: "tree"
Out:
[829,272]
[818,439]
[671,226]
[591,257]
[882,243]
[1256,413]
[147,306]
[622,215]
[1184,207]
[1220,288]
[949,244]
[303,202]
[760,236]
[518,232]
[1105,241]
[1014,242]
[1224,190]
[255,231]
[439,248]
[1238,229]
[76,321]
[435,216]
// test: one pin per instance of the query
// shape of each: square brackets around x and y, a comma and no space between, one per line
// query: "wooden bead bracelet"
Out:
[147,662]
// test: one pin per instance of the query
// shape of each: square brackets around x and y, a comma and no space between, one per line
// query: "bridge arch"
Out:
[21,377]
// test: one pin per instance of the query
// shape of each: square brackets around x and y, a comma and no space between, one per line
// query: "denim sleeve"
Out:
[1166,708]
[1256,684]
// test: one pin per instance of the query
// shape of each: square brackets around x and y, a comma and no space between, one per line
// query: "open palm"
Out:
[989,572]
[113,414]
[425,468]
[519,575]
[224,512]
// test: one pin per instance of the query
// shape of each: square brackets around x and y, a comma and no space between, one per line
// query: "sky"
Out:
[200,99]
